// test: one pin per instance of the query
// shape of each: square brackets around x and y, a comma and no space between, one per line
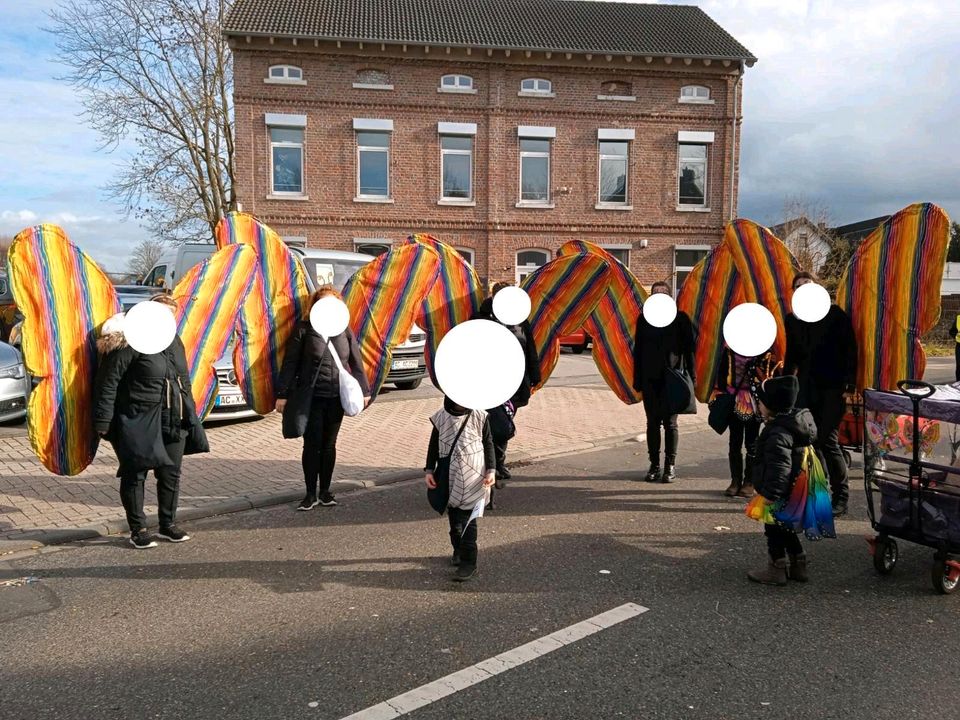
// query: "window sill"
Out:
[692,208]
[294,198]
[283,81]
[378,200]
[618,98]
[688,101]
[535,94]
[370,86]
[456,91]
[535,206]
[608,206]
[458,203]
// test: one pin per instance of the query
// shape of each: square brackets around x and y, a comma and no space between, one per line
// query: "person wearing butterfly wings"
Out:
[823,356]
[308,396]
[144,406]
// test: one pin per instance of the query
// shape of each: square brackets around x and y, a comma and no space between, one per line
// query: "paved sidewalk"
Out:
[251,465]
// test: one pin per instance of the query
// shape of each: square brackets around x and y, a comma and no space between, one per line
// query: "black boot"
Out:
[736,474]
[669,469]
[653,474]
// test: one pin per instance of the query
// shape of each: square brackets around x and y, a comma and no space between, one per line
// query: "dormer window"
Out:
[537,87]
[285,75]
[457,84]
[695,94]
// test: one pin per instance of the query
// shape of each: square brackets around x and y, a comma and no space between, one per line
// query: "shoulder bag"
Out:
[721,407]
[351,394]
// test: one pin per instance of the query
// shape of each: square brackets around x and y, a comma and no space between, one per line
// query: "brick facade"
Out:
[494,228]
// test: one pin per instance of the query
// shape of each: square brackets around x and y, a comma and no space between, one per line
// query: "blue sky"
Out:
[854,104]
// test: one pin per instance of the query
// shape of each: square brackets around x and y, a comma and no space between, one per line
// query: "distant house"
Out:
[855,233]
[808,241]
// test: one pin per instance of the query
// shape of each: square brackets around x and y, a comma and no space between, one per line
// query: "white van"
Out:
[175,263]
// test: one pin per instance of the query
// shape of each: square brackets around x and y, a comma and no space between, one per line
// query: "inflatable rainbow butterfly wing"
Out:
[210,297]
[277,301]
[612,324]
[711,289]
[563,294]
[65,298]
[891,290]
[454,298]
[384,298]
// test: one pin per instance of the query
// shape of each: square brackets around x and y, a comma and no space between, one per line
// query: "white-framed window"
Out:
[695,94]
[467,254]
[685,259]
[692,174]
[456,167]
[620,252]
[374,247]
[456,84]
[536,86]
[297,241]
[285,75]
[286,160]
[373,164]
[529,260]
[534,170]
[614,172]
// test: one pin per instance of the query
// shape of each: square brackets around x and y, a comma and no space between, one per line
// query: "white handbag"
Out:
[351,395]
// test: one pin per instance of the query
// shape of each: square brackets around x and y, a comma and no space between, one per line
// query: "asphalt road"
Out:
[266,612]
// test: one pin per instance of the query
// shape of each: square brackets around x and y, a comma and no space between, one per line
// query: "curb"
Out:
[40,539]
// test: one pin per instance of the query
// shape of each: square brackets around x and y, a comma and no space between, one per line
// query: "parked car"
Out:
[231,404]
[576,341]
[14,384]
[174,264]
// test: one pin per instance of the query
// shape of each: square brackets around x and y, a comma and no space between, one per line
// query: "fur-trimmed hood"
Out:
[111,335]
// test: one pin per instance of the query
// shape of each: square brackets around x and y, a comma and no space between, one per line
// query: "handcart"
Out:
[913,490]
[850,432]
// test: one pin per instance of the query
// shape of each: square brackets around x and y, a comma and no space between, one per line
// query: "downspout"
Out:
[733,144]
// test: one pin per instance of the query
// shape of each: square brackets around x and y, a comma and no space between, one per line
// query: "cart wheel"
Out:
[945,578]
[847,458]
[886,555]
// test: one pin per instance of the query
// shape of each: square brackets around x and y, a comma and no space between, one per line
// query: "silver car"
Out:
[14,384]
[230,403]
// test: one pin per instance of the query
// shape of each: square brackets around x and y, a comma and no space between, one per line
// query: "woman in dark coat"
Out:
[144,407]
[531,378]
[308,395]
[655,349]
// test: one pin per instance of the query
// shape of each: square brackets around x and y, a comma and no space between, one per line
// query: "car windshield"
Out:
[331,272]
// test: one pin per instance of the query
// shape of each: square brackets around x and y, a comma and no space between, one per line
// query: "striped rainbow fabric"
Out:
[210,297]
[453,299]
[711,289]
[384,298]
[891,290]
[274,305]
[65,298]
[766,268]
[563,294]
[613,323]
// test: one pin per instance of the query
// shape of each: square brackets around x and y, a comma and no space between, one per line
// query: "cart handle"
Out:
[926,388]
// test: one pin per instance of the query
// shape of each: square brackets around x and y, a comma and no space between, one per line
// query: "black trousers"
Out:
[742,433]
[500,446]
[956,356]
[828,409]
[168,490]
[320,444]
[781,541]
[465,546]
[656,418]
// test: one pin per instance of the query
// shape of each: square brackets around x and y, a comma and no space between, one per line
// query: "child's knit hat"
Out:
[779,394]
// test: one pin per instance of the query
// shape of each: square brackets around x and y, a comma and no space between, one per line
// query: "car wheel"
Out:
[409,384]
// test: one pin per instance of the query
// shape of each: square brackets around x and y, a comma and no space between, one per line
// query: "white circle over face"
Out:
[660,310]
[150,327]
[750,329]
[811,302]
[329,316]
[511,305]
[479,364]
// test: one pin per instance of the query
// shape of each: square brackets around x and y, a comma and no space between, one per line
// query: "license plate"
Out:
[410,364]
[231,400]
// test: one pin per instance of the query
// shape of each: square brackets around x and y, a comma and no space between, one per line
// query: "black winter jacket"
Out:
[308,365]
[823,355]
[654,349]
[524,334]
[779,453]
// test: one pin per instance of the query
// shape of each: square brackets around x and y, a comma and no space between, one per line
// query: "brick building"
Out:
[503,127]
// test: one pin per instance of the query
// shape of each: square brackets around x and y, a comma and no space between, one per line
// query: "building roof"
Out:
[620,28]
[854,233]
[794,223]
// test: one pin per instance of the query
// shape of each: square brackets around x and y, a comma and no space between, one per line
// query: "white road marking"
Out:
[438,689]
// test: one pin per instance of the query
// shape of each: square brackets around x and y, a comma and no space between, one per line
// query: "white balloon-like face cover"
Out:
[659,310]
[329,316]
[511,305]
[810,302]
[750,329]
[479,364]
[150,327]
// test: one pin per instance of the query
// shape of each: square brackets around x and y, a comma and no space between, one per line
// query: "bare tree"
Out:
[5,242]
[805,230]
[157,74]
[144,257]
